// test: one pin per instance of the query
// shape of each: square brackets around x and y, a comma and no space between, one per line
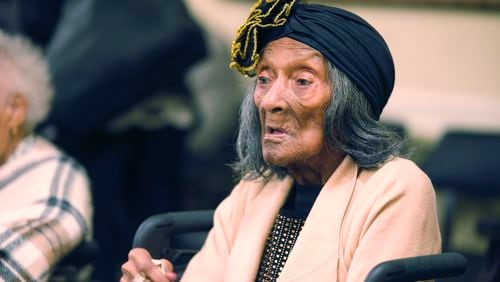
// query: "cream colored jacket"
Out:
[359,219]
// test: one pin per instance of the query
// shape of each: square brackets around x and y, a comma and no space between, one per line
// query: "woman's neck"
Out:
[316,173]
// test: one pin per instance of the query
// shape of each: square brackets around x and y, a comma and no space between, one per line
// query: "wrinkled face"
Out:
[291,95]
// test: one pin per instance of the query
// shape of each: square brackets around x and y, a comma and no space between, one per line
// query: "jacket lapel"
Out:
[314,256]
[254,229]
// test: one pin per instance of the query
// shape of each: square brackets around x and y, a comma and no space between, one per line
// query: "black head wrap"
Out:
[346,40]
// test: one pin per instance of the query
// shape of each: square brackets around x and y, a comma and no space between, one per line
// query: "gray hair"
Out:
[349,126]
[32,77]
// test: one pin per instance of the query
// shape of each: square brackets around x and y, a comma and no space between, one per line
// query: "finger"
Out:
[167,264]
[129,270]
[171,276]
[153,273]
[139,254]
[144,264]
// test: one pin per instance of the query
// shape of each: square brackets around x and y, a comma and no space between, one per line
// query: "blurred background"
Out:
[146,101]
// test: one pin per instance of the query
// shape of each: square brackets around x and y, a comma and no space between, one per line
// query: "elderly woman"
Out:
[45,204]
[324,195]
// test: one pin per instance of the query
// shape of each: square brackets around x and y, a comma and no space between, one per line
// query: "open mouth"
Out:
[275,130]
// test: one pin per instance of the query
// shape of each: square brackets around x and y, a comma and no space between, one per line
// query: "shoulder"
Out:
[43,149]
[44,160]
[397,177]
[396,170]
[48,161]
[38,155]
[403,170]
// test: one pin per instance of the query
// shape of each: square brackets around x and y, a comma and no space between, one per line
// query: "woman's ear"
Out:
[18,106]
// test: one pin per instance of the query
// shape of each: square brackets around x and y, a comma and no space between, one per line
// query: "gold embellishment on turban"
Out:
[263,14]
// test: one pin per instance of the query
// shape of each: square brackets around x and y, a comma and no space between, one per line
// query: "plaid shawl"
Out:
[45,210]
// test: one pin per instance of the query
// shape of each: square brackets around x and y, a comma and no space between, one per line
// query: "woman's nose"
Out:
[274,100]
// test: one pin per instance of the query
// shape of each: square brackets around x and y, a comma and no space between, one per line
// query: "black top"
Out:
[300,200]
[286,230]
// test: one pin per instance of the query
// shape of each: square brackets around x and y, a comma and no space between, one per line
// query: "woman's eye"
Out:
[262,80]
[303,82]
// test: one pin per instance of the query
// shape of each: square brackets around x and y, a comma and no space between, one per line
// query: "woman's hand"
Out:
[140,267]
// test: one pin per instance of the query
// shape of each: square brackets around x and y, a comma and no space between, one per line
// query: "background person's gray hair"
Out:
[349,126]
[32,77]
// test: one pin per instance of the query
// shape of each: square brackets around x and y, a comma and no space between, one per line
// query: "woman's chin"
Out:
[275,160]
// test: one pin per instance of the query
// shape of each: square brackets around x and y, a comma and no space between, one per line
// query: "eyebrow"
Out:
[295,63]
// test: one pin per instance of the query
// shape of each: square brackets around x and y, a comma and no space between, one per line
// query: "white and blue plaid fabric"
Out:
[45,210]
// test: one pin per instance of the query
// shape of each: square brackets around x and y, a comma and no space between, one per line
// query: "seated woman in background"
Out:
[45,203]
[324,195]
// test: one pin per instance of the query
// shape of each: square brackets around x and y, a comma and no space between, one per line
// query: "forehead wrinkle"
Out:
[298,61]
[304,50]
[286,44]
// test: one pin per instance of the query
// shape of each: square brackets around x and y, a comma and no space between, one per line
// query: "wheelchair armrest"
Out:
[419,268]
[156,232]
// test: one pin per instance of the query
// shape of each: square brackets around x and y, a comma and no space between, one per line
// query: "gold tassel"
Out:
[263,14]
